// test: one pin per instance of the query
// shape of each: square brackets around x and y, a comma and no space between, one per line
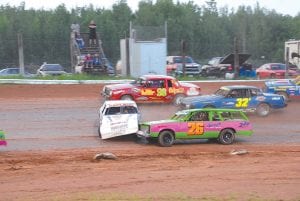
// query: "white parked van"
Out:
[117,118]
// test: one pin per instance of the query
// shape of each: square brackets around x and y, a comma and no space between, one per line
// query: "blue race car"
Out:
[247,98]
[286,88]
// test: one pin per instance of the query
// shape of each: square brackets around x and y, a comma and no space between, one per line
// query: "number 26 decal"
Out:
[195,128]
[242,102]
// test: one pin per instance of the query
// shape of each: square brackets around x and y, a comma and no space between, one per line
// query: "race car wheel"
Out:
[178,98]
[226,136]
[166,139]
[99,133]
[263,109]
[126,97]
[285,95]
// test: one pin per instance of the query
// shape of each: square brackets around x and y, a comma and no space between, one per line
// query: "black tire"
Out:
[166,139]
[177,99]
[99,133]
[285,95]
[263,109]
[226,136]
[126,97]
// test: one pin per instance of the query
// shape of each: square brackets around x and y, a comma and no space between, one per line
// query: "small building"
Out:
[144,52]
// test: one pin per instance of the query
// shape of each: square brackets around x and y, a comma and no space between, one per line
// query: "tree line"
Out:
[208,30]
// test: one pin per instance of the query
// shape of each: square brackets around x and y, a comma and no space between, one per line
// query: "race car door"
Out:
[118,121]
[154,90]
[238,99]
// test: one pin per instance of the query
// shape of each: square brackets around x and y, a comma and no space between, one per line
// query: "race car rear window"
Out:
[113,111]
[129,110]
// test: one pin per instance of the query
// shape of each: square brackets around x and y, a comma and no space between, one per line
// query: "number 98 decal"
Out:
[242,102]
[196,128]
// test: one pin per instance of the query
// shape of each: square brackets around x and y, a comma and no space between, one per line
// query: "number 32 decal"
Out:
[196,128]
[242,102]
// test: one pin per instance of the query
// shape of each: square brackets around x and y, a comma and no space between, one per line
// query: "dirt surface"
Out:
[52,138]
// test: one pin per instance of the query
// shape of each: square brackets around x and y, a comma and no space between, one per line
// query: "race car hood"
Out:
[188,85]
[119,86]
[229,59]
[204,98]
[159,122]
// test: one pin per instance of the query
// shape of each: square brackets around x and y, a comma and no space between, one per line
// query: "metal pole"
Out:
[236,59]
[287,54]
[183,49]
[21,54]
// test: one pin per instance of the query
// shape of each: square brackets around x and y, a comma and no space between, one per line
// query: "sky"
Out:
[286,7]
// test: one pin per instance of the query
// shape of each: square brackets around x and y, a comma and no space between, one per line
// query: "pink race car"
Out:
[206,123]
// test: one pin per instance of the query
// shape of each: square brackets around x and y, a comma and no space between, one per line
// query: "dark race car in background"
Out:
[247,98]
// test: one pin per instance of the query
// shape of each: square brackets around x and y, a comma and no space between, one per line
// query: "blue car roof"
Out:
[240,87]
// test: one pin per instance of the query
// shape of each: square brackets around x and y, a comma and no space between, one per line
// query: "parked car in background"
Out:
[285,87]
[151,88]
[247,98]
[208,123]
[221,66]
[274,70]
[51,69]
[175,66]
[14,72]
[118,117]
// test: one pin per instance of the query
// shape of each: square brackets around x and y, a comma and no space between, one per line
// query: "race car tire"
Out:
[177,99]
[226,136]
[166,139]
[126,97]
[263,109]
[99,133]
[285,95]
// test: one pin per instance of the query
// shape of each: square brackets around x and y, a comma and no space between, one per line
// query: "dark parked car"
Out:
[13,72]
[50,69]
[219,66]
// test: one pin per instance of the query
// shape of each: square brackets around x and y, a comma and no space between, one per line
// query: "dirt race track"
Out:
[52,138]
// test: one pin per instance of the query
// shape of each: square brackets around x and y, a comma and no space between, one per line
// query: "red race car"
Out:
[151,88]
[274,70]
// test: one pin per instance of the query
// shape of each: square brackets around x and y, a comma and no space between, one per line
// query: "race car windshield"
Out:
[139,81]
[278,67]
[222,92]
[178,116]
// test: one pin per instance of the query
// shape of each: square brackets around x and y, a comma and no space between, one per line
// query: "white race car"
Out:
[117,118]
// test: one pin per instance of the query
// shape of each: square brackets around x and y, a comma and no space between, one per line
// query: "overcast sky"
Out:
[291,7]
